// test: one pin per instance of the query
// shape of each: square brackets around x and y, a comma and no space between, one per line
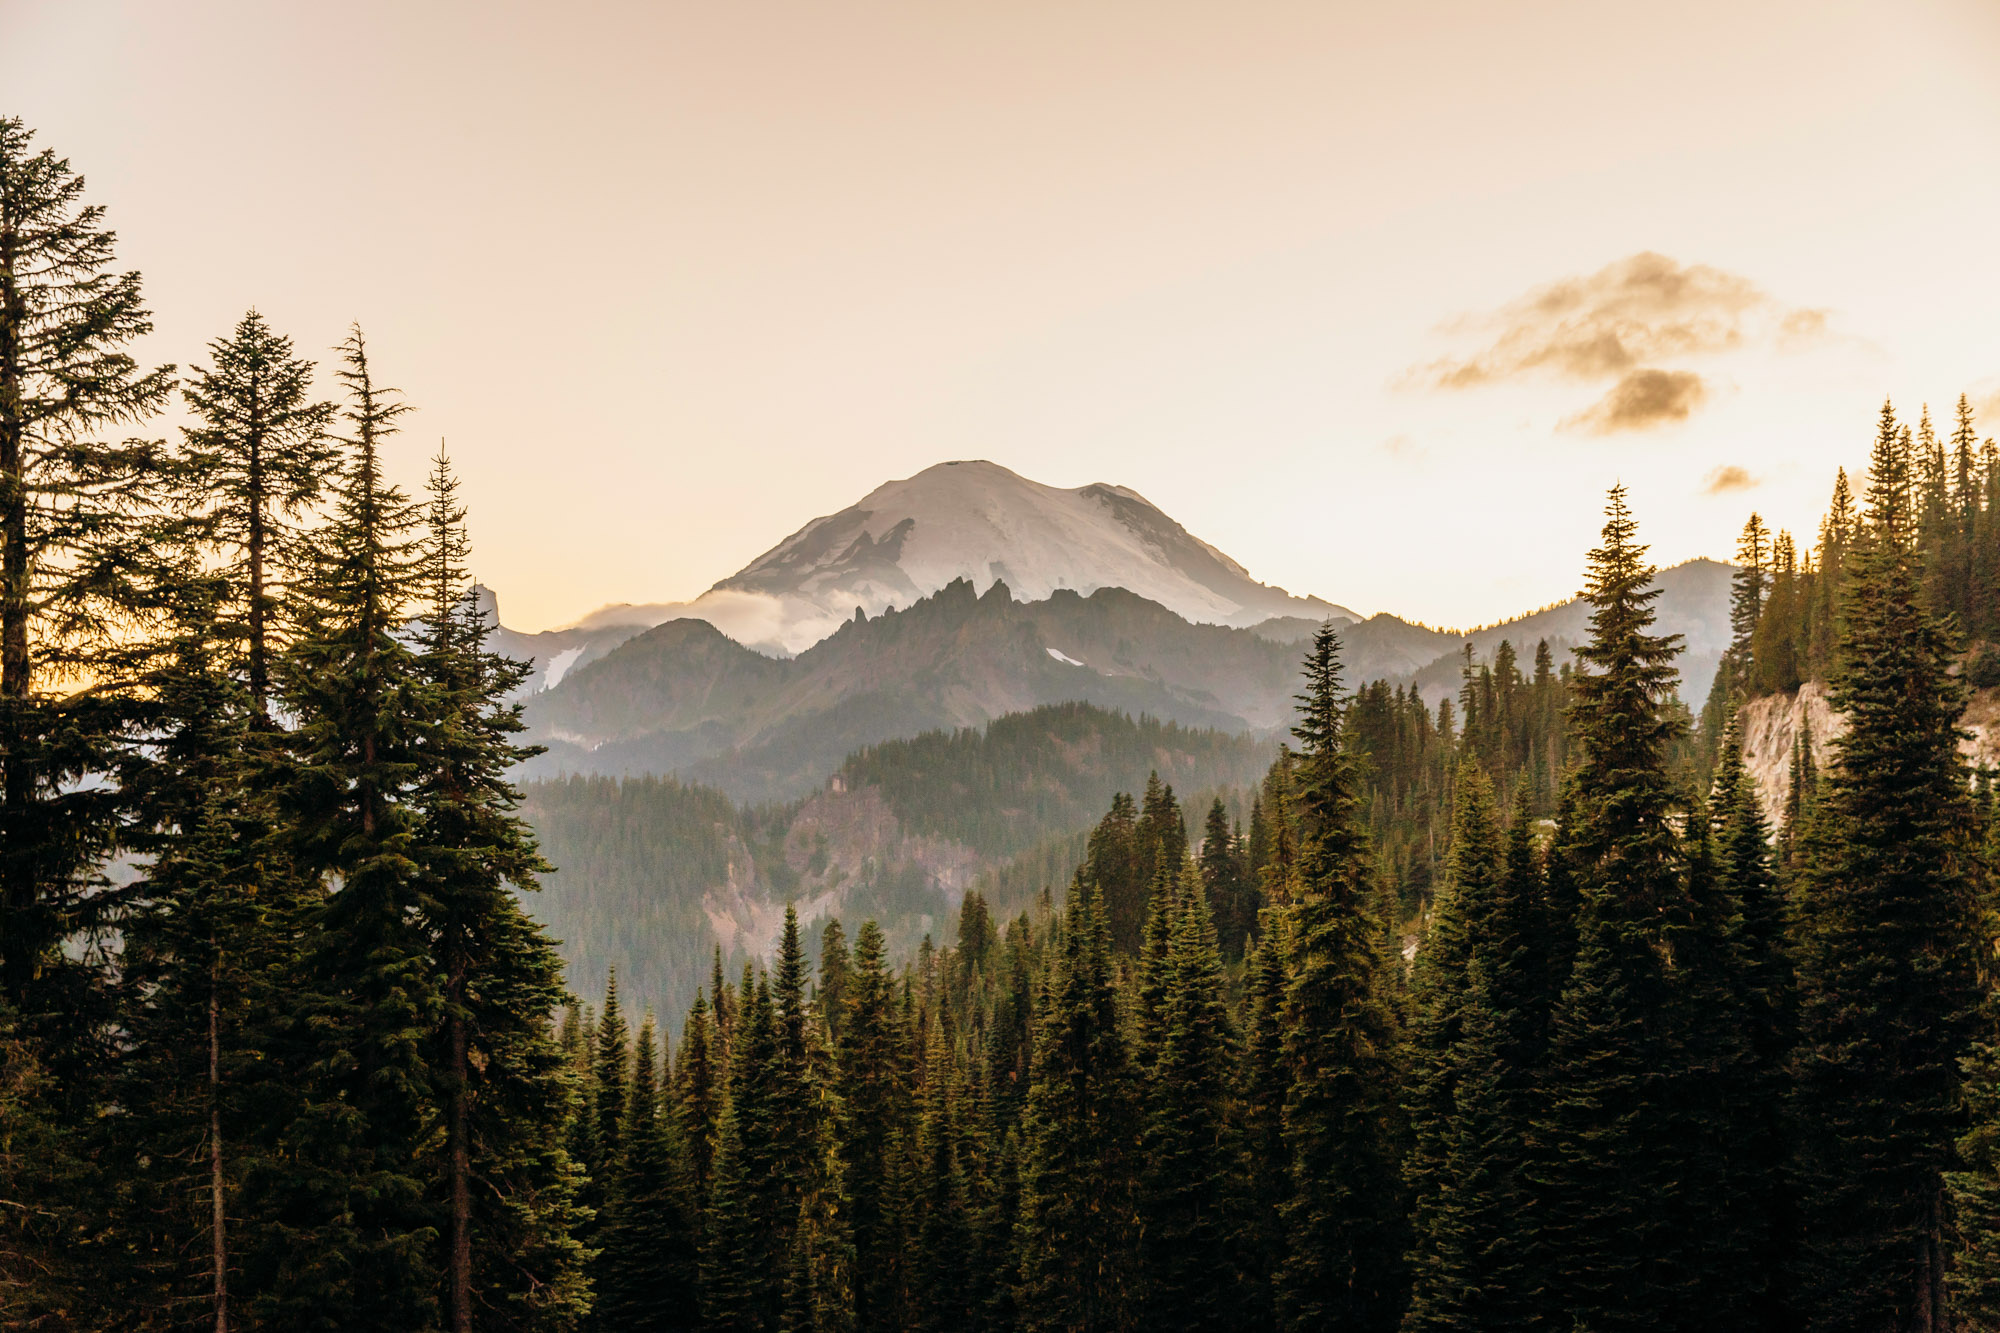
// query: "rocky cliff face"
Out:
[1772,725]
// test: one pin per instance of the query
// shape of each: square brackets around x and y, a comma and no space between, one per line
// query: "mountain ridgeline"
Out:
[684,699]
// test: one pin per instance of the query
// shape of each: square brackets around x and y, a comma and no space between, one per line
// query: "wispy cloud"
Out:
[1642,399]
[1727,478]
[1616,325]
[1405,447]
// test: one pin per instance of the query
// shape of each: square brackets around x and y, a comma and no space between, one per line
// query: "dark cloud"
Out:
[1726,478]
[1643,399]
[1618,324]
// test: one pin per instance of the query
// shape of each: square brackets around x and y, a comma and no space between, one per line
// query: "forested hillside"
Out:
[654,874]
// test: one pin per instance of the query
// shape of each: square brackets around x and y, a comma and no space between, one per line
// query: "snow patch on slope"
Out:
[559,666]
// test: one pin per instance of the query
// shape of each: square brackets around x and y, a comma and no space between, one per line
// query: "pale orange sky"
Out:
[673,279]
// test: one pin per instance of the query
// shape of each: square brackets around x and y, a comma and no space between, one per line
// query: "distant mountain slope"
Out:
[683,698]
[552,653]
[654,874]
[1693,603]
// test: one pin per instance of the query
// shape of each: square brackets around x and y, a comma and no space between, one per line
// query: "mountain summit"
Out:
[978,521]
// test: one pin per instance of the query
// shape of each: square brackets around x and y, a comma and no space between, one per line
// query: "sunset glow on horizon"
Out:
[1375,299]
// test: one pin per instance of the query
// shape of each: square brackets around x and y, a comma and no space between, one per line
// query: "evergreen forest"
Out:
[1517,1012]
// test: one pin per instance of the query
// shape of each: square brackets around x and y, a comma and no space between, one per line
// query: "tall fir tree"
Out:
[644,1276]
[875,1115]
[1886,966]
[1263,1082]
[745,1257]
[502,1172]
[1619,1238]
[74,565]
[1476,1261]
[1345,1217]
[357,1232]
[1758,947]
[700,1086]
[1445,1290]
[609,1065]
[1189,1148]
[941,1249]
[261,451]
[202,943]
[1231,893]
[1076,1230]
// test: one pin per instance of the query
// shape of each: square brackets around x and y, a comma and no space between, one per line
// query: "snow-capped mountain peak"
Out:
[979,521]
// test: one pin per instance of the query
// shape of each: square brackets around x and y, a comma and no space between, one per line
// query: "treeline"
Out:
[1786,602]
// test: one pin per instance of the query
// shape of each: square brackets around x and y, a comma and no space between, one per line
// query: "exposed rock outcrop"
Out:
[1772,725]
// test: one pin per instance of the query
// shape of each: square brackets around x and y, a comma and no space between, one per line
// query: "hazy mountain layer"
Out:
[684,698]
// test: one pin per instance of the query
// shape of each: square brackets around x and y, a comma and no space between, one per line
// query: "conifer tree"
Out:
[801,1108]
[746,1255]
[1477,1256]
[1759,950]
[1228,885]
[262,454]
[608,1069]
[975,931]
[1887,978]
[833,969]
[700,1083]
[1264,1081]
[1188,1148]
[357,1231]
[941,1282]
[1617,1081]
[1443,1291]
[725,1008]
[1162,911]
[73,565]
[1345,1218]
[819,1287]
[1076,1230]
[503,1171]
[1728,1169]
[874,1115]
[1736,673]
[644,1275]
[201,945]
